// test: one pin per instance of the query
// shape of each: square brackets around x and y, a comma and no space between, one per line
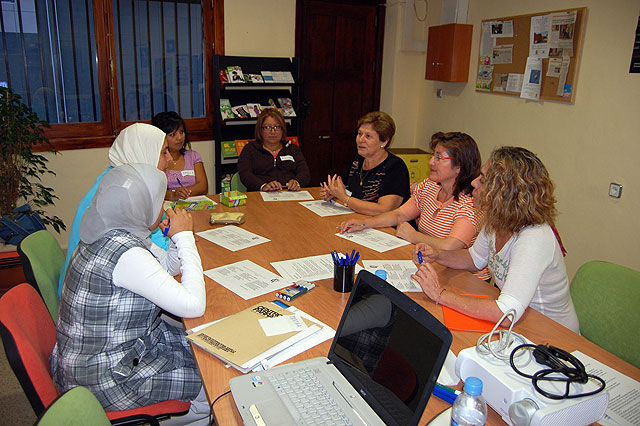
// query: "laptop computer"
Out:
[381,368]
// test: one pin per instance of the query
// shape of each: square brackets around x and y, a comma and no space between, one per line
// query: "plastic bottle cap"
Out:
[381,273]
[473,386]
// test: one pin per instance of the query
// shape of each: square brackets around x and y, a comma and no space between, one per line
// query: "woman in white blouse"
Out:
[517,242]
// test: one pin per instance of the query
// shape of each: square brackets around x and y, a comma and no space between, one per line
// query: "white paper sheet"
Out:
[232,237]
[539,37]
[624,392]
[398,273]
[514,82]
[311,268]
[246,279]
[532,79]
[286,196]
[374,239]
[325,208]
[282,325]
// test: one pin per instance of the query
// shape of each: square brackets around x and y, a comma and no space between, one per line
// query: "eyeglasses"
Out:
[438,158]
[270,128]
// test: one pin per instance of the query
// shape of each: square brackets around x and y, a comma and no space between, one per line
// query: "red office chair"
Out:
[28,335]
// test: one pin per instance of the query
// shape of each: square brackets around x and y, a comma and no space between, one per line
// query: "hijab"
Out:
[137,143]
[130,198]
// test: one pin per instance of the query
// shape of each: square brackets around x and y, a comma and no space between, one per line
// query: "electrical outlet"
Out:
[615,190]
[439,93]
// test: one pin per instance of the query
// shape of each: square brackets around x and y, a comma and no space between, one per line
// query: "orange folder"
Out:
[455,320]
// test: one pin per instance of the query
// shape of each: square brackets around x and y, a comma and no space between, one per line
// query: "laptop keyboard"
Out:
[315,405]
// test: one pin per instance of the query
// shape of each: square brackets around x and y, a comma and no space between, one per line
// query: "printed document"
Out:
[246,279]
[398,273]
[325,208]
[286,196]
[624,392]
[374,239]
[310,268]
[232,237]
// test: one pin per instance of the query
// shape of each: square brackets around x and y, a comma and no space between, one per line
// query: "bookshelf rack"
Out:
[245,93]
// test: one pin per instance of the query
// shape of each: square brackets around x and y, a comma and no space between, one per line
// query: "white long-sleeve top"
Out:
[152,277]
[529,270]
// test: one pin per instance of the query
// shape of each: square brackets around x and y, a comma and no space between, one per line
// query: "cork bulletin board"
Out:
[498,72]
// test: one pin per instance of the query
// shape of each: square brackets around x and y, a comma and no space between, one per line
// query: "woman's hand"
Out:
[406,232]
[352,225]
[274,185]
[429,254]
[293,185]
[324,192]
[182,193]
[427,277]
[335,187]
[177,220]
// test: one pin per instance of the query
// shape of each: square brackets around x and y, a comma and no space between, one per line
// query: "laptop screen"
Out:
[390,349]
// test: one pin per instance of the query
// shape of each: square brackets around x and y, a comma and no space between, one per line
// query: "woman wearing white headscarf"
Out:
[110,337]
[137,143]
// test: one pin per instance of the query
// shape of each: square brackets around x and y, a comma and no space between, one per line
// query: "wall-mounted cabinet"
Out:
[264,93]
[449,52]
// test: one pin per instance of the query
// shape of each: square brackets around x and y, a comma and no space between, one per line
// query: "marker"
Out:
[444,395]
[420,257]
[447,388]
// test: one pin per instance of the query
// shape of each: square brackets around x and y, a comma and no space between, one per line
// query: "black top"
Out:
[391,177]
[257,166]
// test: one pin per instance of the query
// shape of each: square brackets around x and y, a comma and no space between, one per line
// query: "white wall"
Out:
[585,145]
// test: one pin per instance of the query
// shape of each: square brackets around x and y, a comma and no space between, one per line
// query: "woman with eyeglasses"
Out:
[271,163]
[517,242]
[442,203]
[377,180]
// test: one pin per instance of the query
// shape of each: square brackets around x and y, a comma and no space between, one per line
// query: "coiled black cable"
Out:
[559,362]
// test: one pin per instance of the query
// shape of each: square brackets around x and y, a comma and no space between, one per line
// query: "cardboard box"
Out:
[233,198]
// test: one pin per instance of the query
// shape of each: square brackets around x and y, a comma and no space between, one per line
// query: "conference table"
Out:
[294,232]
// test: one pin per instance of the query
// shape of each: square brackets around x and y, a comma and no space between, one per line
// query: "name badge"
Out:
[188,172]
[287,158]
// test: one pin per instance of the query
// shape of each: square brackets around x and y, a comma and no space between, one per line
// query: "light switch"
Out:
[615,190]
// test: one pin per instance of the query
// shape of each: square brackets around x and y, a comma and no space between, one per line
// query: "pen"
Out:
[355,259]
[447,388]
[420,257]
[179,183]
[166,230]
[444,395]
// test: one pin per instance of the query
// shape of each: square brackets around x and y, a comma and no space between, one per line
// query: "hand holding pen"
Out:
[352,225]
[177,220]
[182,193]
[424,253]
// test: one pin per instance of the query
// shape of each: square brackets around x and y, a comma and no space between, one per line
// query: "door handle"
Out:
[324,137]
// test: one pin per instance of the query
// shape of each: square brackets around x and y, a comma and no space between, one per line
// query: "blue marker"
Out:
[420,257]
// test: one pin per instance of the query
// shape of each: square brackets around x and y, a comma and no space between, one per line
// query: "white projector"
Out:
[515,398]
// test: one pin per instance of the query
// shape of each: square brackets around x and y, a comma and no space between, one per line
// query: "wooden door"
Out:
[339,46]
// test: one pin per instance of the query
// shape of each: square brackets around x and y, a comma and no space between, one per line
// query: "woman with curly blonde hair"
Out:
[517,243]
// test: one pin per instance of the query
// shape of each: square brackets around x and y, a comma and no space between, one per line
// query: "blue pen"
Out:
[346,259]
[334,257]
[420,257]
[166,230]
[355,259]
[179,183]
[353,253]
[444,395]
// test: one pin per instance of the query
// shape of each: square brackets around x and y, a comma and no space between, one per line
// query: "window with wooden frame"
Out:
[90,68]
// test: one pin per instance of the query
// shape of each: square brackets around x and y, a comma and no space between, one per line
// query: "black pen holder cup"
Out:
[343,277]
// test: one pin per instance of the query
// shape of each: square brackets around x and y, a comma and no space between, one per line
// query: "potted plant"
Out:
[21,170]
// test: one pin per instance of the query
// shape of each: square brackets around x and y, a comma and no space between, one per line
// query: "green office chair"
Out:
[606,297]
[75,407]
[42,260]
[236,183]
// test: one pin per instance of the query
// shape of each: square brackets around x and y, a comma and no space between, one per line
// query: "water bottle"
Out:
[470,408]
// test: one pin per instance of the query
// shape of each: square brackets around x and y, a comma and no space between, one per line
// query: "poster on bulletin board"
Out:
[533,56]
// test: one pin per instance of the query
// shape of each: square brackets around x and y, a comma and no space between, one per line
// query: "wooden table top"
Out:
[295,232]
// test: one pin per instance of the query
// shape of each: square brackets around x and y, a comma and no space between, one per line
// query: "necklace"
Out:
[272,151]
[363,176]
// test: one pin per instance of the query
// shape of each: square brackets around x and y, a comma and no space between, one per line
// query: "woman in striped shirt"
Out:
[442,203]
